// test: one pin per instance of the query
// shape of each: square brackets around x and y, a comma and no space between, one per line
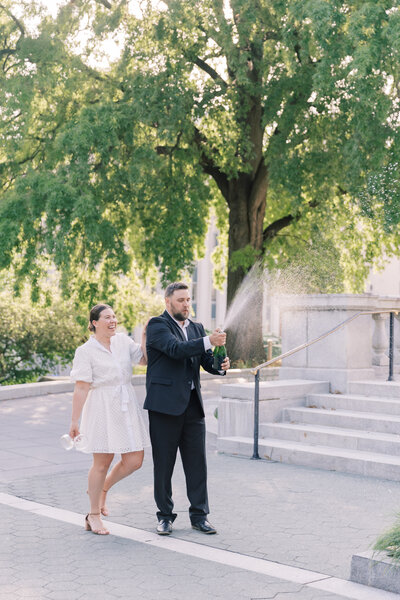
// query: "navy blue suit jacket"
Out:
[173,363]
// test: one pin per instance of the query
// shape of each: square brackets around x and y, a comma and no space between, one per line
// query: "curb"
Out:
[376,569]
[27,390]
[64,384]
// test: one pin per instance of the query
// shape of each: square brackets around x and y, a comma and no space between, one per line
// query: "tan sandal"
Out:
[88,527]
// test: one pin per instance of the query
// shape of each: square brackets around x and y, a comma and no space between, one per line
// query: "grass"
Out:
[389,542]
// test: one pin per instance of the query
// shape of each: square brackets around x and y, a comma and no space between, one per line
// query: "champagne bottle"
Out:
[219,357]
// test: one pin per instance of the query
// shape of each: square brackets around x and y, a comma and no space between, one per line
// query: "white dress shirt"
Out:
[206,338]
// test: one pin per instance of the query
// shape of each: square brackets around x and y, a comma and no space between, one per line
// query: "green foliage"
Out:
[380,199]
[389,542]
[106,170]
[35,337]
[328,250]
[134,303]
[76,167]
[245,258]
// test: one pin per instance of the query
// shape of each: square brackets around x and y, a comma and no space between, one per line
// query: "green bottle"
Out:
[219,357]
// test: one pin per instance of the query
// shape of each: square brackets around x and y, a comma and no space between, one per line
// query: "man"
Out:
[176,347]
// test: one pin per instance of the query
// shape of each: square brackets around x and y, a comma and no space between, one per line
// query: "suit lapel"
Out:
[176,327]
[191,331]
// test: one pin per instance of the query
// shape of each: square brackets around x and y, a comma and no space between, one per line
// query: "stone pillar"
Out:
[343,356]
[380,340]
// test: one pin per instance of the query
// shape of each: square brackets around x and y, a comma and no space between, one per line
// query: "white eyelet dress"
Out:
[111,418]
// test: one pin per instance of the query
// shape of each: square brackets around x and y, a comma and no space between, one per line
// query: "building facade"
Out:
[208,303]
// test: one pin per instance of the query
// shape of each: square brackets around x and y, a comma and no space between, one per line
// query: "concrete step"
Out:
[368,464]
[294,388]
[343,418]
[385,389]
[351,439]
[390,406]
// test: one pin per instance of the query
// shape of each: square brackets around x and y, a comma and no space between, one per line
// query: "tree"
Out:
[283,112]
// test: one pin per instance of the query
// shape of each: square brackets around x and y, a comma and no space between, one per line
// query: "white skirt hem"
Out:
[119,451]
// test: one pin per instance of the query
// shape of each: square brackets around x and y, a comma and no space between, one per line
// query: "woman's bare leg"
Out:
[130,462]
[96,479]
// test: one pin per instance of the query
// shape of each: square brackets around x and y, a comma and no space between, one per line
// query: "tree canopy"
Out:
[283,115]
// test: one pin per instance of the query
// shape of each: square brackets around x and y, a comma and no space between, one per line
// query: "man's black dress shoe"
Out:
[164,527]
[204,527]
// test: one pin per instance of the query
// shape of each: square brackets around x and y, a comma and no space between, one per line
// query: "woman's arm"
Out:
[81,391]
[143,360]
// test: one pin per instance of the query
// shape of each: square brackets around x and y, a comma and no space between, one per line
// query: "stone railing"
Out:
[358,351]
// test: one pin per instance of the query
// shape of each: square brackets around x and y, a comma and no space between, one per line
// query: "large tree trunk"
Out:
[246,200]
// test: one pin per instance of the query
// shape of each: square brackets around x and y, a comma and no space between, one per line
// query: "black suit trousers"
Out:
[188,433]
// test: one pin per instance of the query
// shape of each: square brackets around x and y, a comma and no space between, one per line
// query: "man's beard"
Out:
[179,316]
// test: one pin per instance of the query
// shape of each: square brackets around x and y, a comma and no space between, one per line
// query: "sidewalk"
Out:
[284,532]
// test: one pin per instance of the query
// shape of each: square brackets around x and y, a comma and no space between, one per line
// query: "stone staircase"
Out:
[358,432]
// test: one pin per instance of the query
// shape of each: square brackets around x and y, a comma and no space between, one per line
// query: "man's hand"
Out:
[226,364]
[218,338]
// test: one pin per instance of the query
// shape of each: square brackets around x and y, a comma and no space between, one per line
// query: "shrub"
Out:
[34,338]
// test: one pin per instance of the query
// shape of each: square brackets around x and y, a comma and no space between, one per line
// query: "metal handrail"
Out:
[256,370]
[321,337]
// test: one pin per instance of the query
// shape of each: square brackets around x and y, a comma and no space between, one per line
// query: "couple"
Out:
[111,421]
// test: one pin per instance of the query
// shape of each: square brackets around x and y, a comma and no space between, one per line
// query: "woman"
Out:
[111,419]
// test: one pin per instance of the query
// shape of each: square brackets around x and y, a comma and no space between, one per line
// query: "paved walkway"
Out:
[284,532]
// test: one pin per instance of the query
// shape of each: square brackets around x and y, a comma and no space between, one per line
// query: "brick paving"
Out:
[295,516]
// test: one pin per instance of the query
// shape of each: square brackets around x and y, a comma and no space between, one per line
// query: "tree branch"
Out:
[209,167]
[89,70]
[274,228]
[219,178]
[16,21]
[210,71]
[205,162]
[270,35]
[27,158]
[11,119]
[7,184]
[104,3]
[7,51]
[168,150]
[297,46]
[12,65]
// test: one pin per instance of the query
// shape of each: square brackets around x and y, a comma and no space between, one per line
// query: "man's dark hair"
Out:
[176,285]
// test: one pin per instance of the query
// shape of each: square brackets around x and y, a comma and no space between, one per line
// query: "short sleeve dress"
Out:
[111,421]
